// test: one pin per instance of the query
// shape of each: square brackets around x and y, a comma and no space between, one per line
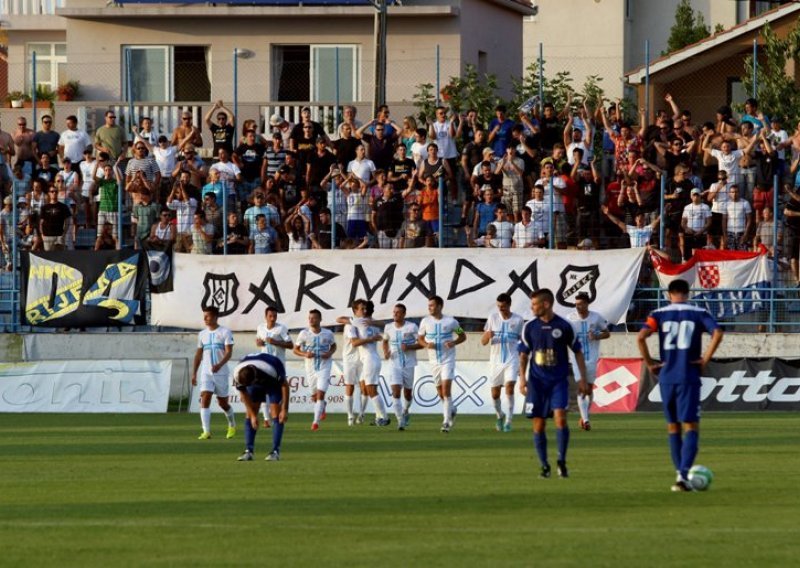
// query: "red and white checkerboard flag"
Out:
[713,270]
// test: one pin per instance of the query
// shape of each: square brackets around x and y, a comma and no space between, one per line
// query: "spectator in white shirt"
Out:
[73,142]
[504,227]
[639,234]
[524,234]
[362,167]
[695,223]
[738,221]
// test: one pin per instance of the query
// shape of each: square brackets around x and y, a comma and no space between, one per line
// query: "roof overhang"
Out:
[724,44]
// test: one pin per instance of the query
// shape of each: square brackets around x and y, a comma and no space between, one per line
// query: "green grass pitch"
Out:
[117,490]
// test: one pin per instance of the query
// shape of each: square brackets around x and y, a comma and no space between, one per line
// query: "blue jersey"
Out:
[680,329]
[548,341]
[270,371]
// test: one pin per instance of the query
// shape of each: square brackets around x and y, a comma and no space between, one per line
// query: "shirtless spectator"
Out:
[23,145]
[186,134]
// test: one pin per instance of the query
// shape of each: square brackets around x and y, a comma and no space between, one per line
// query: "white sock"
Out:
[406,405]
[317,411]
[583,406]
[364,399]
[510,412]
[446,409]
[205,419]
[497,409]
[398,408]
[348,404]
[380,410]
[265,411]
[231,416]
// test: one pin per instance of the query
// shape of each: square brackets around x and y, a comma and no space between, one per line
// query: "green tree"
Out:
[467,91]
[689,27]
[776,91]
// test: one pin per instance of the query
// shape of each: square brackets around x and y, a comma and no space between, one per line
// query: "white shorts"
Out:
[371,371]
[402,376]
[319,379]
[216,384]
[503,374]
[352,371]
[443,372]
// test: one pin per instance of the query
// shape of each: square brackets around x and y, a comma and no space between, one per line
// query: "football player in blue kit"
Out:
[261,377]
[546,388]
[680,327]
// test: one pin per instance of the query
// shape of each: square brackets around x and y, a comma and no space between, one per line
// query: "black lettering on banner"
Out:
[519,280]
[486,280]
[360,277]
[415,281]
[260,294]
[305,289]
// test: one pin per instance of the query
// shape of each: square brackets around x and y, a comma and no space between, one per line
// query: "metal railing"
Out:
[30,7]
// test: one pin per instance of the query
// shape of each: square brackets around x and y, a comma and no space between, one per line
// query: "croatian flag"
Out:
[726,283]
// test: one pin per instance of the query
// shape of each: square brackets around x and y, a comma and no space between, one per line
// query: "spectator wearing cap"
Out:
[145,134]
[279,125]
[193,165]
[695,224]
[223,132]
[186,134]
[302,134]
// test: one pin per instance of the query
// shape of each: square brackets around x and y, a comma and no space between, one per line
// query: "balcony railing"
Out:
[30,7]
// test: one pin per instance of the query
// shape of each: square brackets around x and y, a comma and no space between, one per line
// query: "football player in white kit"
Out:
[351,367]
[273,338]
[316,345]
[502,330]
[440,334]
[399,347]
[214,349]
[590,328]
[365,336]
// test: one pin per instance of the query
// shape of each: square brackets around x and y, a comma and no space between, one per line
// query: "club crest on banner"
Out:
[221,292]
[708,275]
[576,279]
[160,266]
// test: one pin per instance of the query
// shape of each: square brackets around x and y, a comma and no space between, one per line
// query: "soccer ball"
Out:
[700,477]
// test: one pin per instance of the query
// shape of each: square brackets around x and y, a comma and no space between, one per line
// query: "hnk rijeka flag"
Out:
[726,283]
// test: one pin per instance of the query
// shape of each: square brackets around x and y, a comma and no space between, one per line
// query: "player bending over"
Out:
[261,378]
[680,328]
[214,349]
[548,336]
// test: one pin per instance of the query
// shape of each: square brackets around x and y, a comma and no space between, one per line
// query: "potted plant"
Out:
[15,99]
[69,91]
[45,96]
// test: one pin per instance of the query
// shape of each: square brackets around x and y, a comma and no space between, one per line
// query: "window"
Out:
[308,72]
[51,65]
[483,63]
[736,94]
[166,73]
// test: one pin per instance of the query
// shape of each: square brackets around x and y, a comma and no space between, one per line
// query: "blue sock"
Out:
[249,435]
[562,439]
[675,444]
[540,443]
[689,451]
[277,434]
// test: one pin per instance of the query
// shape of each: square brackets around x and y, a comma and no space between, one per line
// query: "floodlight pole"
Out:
[379,96]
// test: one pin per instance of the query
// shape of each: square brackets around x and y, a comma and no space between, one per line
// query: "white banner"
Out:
[471,391]
[85,386]
[728,283]
[469,281]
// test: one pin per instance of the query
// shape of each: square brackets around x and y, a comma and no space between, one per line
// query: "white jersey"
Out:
[403,335]
[506,334]
[368,353]
[213,343]
[594,323]
[318,344]
[350,353]
[279,332]
[439,332]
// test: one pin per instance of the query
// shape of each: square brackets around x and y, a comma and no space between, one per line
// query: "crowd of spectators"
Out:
[578,177]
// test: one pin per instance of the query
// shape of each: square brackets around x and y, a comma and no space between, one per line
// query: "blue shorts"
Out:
[543,398]
[357,229]
[681,402]
[259,394]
